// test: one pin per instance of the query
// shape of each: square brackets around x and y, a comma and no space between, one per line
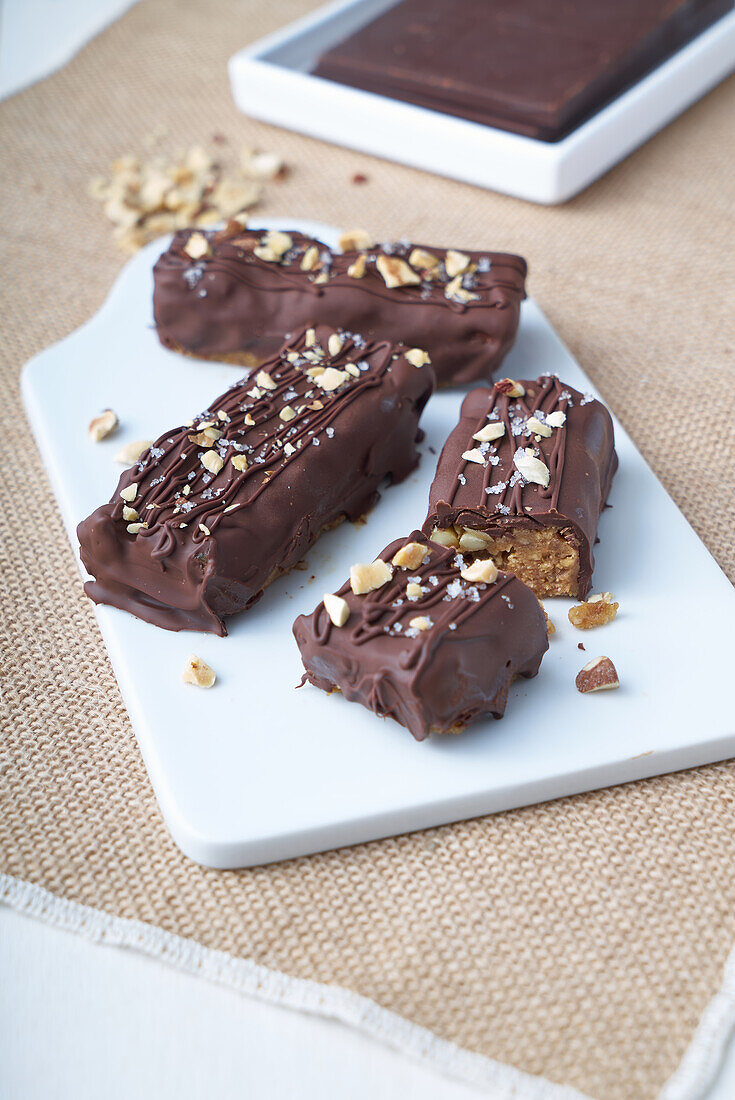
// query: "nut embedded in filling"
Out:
[544,558]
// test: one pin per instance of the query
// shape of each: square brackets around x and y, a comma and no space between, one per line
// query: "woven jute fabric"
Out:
[580,940]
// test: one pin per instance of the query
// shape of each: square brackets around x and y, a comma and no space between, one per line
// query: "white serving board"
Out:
[253,770]
[271,80]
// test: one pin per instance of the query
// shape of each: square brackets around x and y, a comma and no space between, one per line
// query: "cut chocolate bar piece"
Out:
[528,66]
[523,478]
[232,295]
[424,636]
[217,509]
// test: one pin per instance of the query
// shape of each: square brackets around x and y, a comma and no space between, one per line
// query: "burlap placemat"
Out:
[580,940]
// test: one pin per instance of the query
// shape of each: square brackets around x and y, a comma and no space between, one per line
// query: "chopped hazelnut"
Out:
[444,536]
[197,246]
[472,541]
[410,556]
[596,611]
[264,380]
[556,419]
[198,673]
[531,468]
[240,462]
[310,337]
[423,260]
[493,430]
[204,529]
[509,388]
[133,528]
[534,425]
[129,514]
[598,674]
[331,379]
[421,622]
[366,578]
[103,425]
[337,608]
[286,414]
[456,263]
[417,357]
[212,461]
[310,259]
[414,591]
[396,272]
[357,269]
[334,344]
[131,452]
[455,290]
[355,240]
[475,455]
[482,571]
[129,493]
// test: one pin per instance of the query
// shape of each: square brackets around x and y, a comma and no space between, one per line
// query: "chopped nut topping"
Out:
[456,263]
[204,529]
[598,674]
[414,591]
[334,344]
[131,452]
[240,462]
[206,438]
[494,430]
[421,622]
[444,536]
[261,166]
[482,571]
[248,420]
[102,426]
[455,290]
[474,455]
[417,357]
[289,450]
[509,388]
[410,556]
[133,528]
[472,541]
[396,272]
[264,380]
[277,242]
[198,673]
[197,246]
[130,514]
[423,260]
[358,268]
[366,578]
[355,240]
[337,608]
[310,337]
[534,425]
[531,468]
[331,379]
[310,259]
[287,413]
[212,461]
[129,493]
[556,419]
[597,611]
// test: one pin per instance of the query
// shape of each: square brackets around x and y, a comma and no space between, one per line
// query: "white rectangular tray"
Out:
[271,80]
[254,771]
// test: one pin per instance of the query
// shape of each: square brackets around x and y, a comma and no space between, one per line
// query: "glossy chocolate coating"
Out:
[234,303]
[216,539]
[435,680]
[530,66]
[580,456]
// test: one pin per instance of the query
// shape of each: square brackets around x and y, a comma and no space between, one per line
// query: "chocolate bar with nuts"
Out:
[424,636]
[218,508]
[232,295]
[523,478]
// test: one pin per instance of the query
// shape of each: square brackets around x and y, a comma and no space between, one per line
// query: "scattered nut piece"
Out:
[455,290]
[417,357]
[103,425]
[396,272]
[204,529]
[358,268]
[337,608]
[310,259]
[131,452]
[598,674]
[198,673]
[556,419]
[277,242]
[493,430]
[355,240]
[240,462]
[596,611]
[482,571]
[366,578]
[421,622]
[133,528]
[212,461]
[129,514]
[456,263]
[530,467]
[534,425]
[414,591]
[331,379]
[423,260]
[475,455]
[261,166]
[509,388]
[287,413]
[310,337]
[410,556]
[264,380]
[197,246]
[472,541]
[129,493]
[444,536]
[334,344]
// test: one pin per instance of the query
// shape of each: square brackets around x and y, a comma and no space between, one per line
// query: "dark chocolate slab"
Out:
[234,303]
[217,533]
[433,680]
[529,66]
[493,496]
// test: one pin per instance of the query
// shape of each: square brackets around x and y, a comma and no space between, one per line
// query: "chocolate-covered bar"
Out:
[523,478]
[232,295]
[218,508]
[433,645]
[529,66]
